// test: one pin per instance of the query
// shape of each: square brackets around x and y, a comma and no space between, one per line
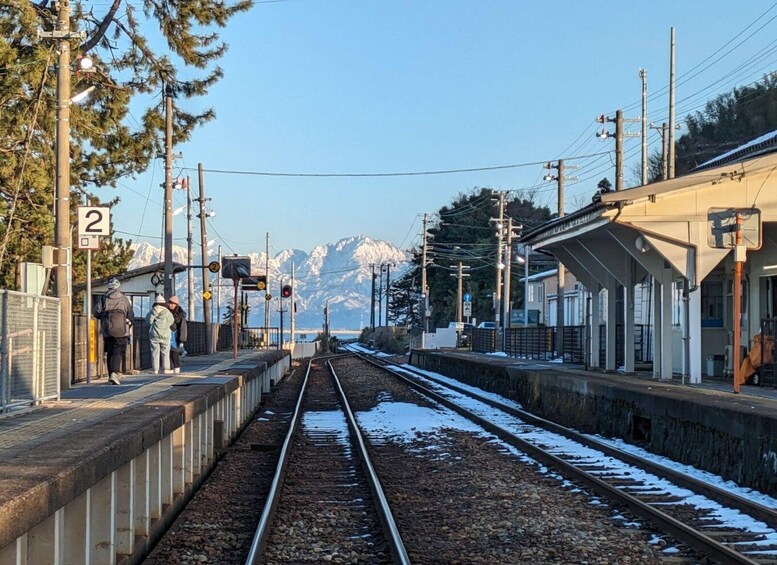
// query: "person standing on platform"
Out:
[159,321]
[115,314]
[179,334]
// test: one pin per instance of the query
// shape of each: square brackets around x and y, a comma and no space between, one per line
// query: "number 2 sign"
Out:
[94,220]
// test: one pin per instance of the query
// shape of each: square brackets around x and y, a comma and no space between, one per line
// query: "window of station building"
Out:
[712,312]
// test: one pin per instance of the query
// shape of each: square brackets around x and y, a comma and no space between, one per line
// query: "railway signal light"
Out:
[286,291]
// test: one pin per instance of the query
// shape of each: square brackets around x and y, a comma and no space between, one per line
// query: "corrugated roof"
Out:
[765,143]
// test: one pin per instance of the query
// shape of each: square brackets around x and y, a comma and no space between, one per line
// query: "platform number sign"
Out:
[94,221]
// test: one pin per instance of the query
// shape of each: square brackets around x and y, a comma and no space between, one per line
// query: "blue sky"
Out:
[336,86]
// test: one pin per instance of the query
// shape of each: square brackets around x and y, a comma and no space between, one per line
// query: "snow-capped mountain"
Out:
[339,273]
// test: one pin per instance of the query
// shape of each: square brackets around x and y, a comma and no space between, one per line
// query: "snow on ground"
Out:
[559,444]
[404,422]
[332,421]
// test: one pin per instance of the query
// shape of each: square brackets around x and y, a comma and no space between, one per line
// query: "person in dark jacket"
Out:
[179,333]
[115,314]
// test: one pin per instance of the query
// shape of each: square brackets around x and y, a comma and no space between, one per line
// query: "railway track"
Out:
[716,523]
[325,502]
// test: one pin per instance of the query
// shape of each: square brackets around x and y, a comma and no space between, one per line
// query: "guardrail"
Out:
[29,349]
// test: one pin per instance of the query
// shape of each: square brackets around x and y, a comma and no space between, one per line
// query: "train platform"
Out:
[85,405]
[72,460]
[705,425]
[640,378]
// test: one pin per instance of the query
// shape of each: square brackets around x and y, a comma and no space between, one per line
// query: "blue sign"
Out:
[468,297]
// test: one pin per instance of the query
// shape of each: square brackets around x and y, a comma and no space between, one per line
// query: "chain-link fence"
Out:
[29,349]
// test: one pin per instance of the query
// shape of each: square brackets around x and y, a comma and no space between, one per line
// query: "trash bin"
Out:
[715,365]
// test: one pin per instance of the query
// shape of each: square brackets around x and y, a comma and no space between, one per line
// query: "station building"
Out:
[673,240]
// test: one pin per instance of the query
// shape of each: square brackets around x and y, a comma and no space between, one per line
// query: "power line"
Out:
[393,174]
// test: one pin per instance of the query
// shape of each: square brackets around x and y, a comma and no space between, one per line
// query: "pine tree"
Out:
[107,142]
[465,233]
[404,301]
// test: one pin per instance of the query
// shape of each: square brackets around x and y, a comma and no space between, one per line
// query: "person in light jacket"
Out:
[159,322]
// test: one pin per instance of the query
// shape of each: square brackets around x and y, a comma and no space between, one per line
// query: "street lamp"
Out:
[81,96]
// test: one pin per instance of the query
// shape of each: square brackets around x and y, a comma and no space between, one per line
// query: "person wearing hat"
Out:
[179,334]
[159,321]
[115,314]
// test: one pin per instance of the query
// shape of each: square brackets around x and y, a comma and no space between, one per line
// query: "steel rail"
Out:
[752,508]
[261,536]
[663,521]
[398,551]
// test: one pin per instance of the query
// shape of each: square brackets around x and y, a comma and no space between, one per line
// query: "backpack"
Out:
[117,323]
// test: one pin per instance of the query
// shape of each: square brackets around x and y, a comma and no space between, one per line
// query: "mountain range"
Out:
[338,273]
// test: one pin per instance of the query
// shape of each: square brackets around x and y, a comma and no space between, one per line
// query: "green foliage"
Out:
[727,121]
[405,302]
[107,141]
[463,233]
[394,340]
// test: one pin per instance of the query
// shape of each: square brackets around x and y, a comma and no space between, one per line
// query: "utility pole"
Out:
[326,323]
[380,296]
[388,288]
[643,76]
[739,256]
[525,285]
[663,129]
[372,298]
[168,266]
[499,267]
[207,304]
[62,237]
[671,105]
[63,243]
[267,285]
[560,300]
[292,307]
[190,247]
[618,150]
[460,289]
[508,260]
[218,291]
[618,120]
[424,289]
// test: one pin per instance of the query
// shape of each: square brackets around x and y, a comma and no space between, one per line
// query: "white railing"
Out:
[29,349]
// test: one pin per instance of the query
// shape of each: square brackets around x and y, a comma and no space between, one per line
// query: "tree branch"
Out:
[102,28]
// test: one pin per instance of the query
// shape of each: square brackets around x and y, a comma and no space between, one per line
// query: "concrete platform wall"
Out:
[114,506]
[736,442]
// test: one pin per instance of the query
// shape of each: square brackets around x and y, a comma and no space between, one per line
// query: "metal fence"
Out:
[542,343]
[643,352]
[29,349]
[484,340]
